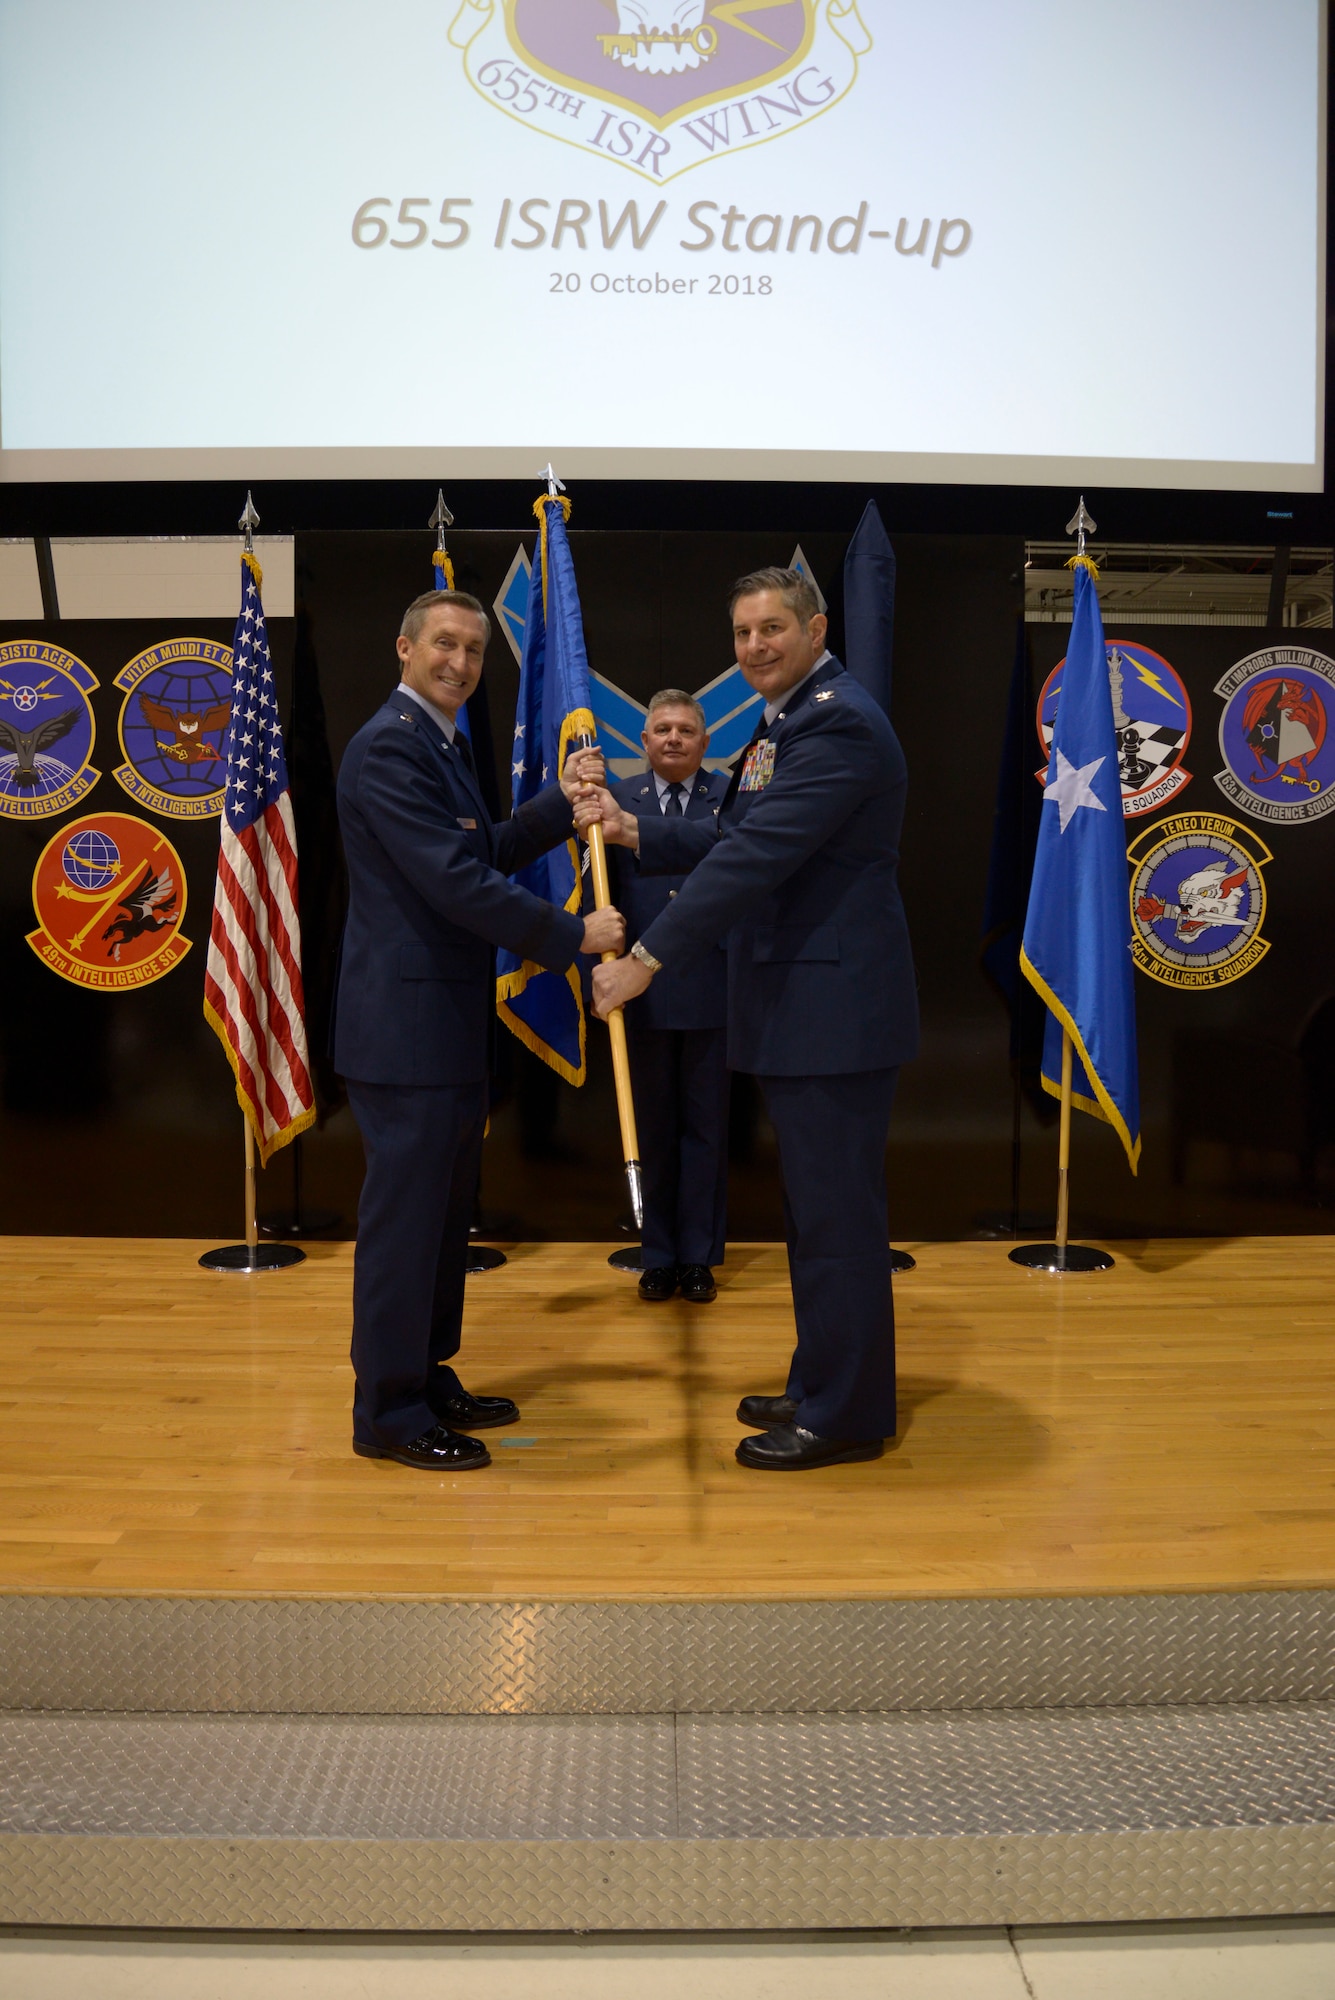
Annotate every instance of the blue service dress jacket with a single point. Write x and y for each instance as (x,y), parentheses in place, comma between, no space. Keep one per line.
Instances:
(428,903)
(801,876)
(692,994)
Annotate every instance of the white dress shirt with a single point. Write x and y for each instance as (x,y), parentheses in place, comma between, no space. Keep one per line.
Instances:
(773,708)
(663,785)
(444,723)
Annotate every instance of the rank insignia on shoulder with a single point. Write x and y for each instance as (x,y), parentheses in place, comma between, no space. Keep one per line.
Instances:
(759,766)
(826,694)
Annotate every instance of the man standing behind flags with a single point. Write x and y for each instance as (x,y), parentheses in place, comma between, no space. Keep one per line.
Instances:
(1077,931)
(428,903)
(676,1031)
(800,875)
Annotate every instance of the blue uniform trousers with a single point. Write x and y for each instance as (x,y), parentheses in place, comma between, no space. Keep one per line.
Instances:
(832,1133)
(423,1153)
(680,1078)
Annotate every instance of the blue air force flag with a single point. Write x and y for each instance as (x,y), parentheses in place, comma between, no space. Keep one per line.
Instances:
(546,1009)
(1077,930)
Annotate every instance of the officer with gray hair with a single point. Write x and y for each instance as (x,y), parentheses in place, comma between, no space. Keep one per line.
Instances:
(676,1032)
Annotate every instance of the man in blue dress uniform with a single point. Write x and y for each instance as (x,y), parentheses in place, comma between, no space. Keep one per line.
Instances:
(676,1030)
(428,903)
(800,874)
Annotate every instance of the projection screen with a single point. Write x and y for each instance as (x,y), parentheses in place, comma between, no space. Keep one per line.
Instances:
(979,240)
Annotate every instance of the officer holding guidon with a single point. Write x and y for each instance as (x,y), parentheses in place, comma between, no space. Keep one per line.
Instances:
(429,901)
(800,874)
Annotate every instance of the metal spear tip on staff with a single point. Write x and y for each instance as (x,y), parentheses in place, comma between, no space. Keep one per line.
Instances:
(1081,523)
(248,523)
(441,518)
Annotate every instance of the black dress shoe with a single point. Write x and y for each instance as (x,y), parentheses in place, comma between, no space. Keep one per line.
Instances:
(788,1448)
(658,1283)
(697,1284)
(437,1450)
(765,1411)
(462,1412)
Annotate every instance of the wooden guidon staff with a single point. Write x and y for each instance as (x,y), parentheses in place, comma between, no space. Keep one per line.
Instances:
(616,1028)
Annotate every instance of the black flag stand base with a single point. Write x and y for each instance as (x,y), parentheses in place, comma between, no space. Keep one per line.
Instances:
(252,1255)
(901,1261)
(1059,1257)
(1062,1258)
(482,1258)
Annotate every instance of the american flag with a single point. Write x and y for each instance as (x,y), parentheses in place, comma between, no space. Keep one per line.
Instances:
(252,983)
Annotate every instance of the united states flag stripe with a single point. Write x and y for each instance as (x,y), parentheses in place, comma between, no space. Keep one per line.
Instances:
(252,983)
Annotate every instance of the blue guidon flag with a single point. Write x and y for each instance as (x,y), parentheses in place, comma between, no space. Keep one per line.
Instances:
(546,1009)
(1077,931)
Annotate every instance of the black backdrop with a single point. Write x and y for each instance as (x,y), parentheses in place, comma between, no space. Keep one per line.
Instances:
(116,1111)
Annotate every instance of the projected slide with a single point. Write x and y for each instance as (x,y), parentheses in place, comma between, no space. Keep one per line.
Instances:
(662,238)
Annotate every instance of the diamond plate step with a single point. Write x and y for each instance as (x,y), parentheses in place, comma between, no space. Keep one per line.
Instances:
(667,1821)
(245,1656)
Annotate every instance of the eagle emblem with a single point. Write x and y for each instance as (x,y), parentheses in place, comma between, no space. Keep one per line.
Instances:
(27,744)
(174,723)
(660,86)
(186,736)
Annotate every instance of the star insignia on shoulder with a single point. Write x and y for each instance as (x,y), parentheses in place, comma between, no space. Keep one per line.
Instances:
(826,694)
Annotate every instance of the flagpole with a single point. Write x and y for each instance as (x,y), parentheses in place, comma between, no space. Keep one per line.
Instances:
(616,1028)
(1064,1151)
(252,1227)
(1063,1256)
(252,1255)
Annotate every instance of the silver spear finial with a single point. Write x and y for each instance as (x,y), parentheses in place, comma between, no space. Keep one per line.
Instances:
(554,485)
(1081,523)
(441,519)
(248,523)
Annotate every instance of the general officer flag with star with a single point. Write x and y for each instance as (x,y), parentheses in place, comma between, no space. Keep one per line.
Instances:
(546,1009)
(1077,931)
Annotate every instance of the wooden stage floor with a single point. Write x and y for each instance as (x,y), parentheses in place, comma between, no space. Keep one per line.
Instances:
(1167,1426)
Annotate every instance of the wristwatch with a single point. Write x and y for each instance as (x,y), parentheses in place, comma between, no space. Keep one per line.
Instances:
(646,958)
